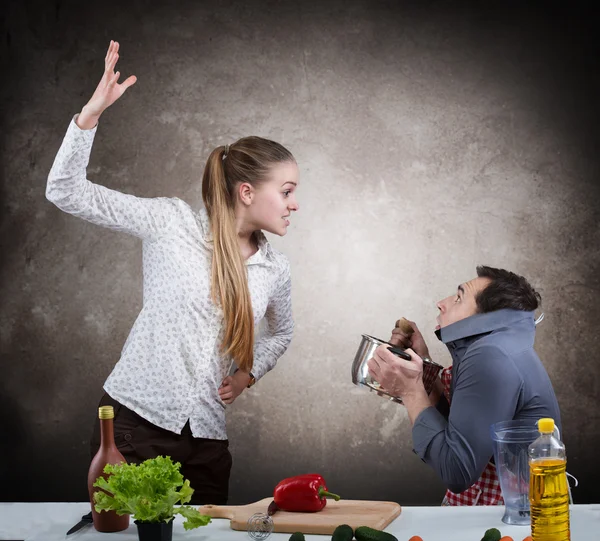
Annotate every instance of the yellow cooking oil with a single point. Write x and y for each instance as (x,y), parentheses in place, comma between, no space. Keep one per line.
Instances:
(548,486)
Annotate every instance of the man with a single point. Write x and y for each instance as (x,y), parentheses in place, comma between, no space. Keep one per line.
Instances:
(488,327)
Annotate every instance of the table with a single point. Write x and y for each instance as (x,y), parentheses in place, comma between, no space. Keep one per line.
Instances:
(50,521)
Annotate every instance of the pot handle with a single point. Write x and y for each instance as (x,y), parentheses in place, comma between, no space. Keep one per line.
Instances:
(400,353)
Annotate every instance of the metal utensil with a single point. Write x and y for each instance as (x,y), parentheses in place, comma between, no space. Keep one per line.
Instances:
(86,520)
(360,369)
(260,526)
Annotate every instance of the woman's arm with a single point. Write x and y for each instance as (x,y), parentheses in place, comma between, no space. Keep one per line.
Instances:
(280,326)
(70,190)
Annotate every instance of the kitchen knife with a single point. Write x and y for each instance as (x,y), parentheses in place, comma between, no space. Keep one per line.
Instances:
(86,520)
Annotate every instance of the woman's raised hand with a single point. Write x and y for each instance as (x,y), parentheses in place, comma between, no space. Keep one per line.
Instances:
(108,91)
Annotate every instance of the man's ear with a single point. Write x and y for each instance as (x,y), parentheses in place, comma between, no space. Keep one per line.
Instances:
(246,193)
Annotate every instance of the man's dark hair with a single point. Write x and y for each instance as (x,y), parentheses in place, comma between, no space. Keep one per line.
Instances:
(506,290)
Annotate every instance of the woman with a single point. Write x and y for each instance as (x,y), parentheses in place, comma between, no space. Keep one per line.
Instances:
(209,278)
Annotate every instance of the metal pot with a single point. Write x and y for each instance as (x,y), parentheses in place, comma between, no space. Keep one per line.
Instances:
(360,370)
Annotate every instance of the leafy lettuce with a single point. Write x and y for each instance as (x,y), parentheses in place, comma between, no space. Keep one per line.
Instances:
(148,491)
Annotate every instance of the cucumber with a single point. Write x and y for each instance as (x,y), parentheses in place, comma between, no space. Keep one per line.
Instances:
(364,533)
(343,533)
(493,534)
(297,536)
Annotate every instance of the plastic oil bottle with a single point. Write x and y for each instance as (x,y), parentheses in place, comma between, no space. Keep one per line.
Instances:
(548,486)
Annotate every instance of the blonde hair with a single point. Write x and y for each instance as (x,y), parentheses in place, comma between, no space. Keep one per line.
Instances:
(248,160)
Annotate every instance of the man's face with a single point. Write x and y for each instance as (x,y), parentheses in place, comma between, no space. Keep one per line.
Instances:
(462,304)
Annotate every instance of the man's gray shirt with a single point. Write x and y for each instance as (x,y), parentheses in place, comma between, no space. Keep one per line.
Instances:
(496,376)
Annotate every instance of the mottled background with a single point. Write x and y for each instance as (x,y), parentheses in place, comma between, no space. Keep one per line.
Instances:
(431,136)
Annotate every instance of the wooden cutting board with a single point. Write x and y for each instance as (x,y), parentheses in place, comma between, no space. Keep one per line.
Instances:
(352,512)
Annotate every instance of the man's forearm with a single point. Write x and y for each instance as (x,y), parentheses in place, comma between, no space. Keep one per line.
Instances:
(415,403)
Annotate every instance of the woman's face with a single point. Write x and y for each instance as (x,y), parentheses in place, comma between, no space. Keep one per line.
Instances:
(274,199)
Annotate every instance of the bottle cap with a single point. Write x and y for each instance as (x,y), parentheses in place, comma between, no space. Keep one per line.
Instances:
(106,412)
(546,425)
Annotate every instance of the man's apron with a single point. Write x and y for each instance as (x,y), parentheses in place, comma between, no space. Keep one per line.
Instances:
(486,490)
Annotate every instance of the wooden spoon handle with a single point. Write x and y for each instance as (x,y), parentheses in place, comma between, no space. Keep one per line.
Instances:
(404,326)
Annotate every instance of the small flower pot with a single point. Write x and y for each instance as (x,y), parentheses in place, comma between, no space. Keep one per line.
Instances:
(155,531)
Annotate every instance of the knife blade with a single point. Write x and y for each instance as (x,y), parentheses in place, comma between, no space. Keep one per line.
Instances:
(86,520)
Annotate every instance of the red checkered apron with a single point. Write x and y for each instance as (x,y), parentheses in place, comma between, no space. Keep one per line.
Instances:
(486,491)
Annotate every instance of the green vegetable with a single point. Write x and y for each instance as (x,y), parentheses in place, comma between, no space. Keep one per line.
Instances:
(343,533)
(364,533)
(297,536)
(493,534)
(148,491)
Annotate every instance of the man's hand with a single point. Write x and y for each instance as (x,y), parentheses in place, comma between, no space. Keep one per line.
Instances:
(397,376)
(415,341)
(401,378)
(233,386)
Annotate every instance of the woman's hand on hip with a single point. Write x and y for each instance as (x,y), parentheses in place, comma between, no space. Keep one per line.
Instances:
(233,386)
(108,91)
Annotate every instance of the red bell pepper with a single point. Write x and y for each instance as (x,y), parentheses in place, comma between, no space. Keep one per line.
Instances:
(303,493)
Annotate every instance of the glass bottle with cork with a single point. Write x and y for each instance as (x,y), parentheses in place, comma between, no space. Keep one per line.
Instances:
(105,521)
(548,486)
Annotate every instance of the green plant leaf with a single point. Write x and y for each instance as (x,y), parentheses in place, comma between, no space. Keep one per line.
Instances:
(193,517)
(148,491)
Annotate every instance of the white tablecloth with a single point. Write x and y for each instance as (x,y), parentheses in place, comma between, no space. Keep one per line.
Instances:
(50,521)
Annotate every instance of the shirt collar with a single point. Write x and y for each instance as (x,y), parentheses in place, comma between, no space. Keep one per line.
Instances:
(263,256)
(484,323)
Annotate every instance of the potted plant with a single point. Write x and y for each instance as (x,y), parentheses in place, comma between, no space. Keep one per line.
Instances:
(149,492)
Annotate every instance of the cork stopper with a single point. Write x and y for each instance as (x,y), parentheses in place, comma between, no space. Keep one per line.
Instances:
(106,412)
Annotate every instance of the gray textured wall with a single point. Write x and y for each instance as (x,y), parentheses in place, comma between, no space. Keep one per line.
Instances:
(431,137)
